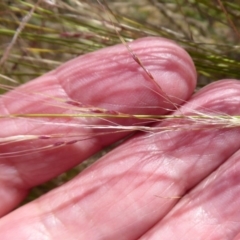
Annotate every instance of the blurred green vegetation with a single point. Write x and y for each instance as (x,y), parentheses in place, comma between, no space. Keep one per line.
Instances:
(37,36)
(60,30)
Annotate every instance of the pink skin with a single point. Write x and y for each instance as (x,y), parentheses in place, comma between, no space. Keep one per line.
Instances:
(131,192)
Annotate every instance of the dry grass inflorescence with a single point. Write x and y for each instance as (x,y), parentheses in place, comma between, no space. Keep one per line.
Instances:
(38,36)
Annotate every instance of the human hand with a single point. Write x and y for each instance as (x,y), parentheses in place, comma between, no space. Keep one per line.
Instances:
(165,185)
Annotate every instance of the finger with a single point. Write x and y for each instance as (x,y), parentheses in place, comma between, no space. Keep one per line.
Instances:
(133,187)
(107,78)
(193,216)
(209,211)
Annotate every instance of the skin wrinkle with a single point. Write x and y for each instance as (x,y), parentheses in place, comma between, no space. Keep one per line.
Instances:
(170,228)
(109,96)
(32,129)
(53,222)
(171,184)
(200,156)
(218,225)
(128,68)
(90,218)
(203,186)
(133,180)
(204,153)
(51,211)
(212,102)
(173,61)
(41,230)
(140,214)
(143,161)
